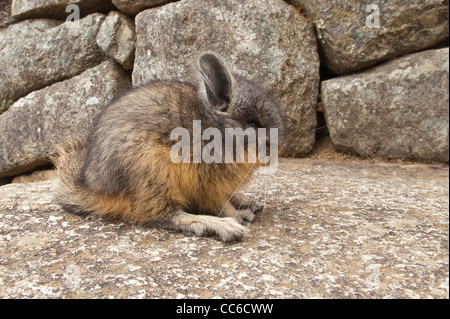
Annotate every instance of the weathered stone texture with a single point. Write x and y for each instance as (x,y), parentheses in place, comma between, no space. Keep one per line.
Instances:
(33,125)
(397,110)
(37,53)
(133,7)
(328,230)
(5,13)
(117,38)
(267,41)
(56,9)
(350,39)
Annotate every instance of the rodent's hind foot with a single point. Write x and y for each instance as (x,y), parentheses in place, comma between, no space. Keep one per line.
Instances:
(228,229)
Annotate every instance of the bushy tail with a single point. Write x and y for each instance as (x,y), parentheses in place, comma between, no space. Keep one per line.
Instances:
(68,160)
(72,194)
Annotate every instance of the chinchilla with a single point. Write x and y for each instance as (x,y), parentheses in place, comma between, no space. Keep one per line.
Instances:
(123,169)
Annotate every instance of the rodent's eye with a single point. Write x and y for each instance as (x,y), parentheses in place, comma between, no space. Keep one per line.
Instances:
(255,123)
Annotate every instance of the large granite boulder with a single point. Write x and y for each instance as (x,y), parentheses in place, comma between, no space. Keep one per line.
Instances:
(33,125)
(355,34)
(397,110)
(38,53)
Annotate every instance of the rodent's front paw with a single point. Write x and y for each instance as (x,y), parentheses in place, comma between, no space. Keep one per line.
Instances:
(228,229)
(245,215)
(256,207)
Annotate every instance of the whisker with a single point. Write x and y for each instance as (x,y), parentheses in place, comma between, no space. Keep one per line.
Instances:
(237,188)
(319,128)
(264,203)
(248,188)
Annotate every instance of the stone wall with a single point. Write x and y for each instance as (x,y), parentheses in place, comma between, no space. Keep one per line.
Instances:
(61,61)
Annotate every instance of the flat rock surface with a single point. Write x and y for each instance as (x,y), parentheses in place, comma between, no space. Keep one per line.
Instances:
(329,230)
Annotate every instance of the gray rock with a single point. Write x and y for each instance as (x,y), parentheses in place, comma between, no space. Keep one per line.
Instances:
(5,13)
(267,41)
(133,7)
(33,125)
(117,37)
(37,53)
(351,40)
(56,9)
(397,110)
(328,230)
(36,176)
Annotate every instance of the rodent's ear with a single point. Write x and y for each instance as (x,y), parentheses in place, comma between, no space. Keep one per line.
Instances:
(216,83)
